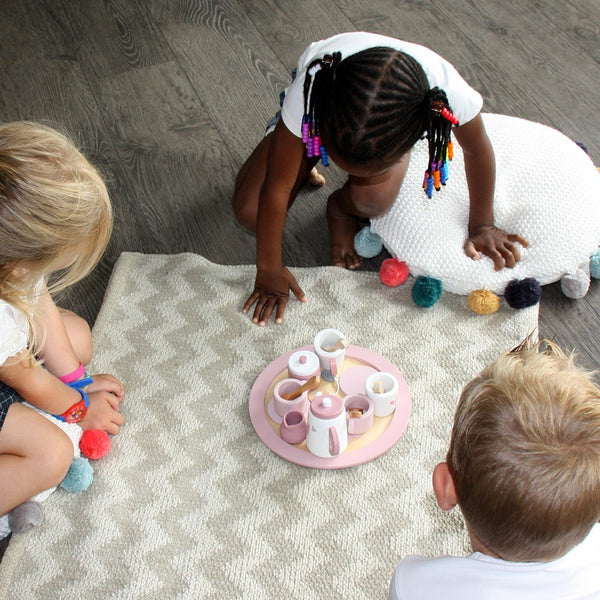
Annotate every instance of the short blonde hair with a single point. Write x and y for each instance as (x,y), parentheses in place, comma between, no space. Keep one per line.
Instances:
(525,453)
(55,213)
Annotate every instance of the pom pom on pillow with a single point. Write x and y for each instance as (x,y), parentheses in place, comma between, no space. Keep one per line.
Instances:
(393,272)
(367,244)
(522,293)
(426,291)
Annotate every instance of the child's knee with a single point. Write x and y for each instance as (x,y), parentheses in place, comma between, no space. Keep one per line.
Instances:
(57,457)
(369,202)
(80,335)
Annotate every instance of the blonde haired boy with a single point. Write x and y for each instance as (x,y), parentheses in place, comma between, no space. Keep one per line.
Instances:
(524,468)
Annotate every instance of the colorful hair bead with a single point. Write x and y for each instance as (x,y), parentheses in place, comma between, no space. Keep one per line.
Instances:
(444,173)
(316,146)
(449,116)
(305,129)
(324,156)
(436,180)
(450,151)
(429,186)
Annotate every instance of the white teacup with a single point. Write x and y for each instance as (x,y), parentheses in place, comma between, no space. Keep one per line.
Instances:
(331,360)
(382,388)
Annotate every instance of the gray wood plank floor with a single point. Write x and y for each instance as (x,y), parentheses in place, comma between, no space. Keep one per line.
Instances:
(168,97)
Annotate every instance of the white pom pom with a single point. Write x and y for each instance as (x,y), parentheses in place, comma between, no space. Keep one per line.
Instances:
(575,285)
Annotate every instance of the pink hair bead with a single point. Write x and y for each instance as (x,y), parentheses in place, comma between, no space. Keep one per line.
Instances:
(305,132)
(317,146)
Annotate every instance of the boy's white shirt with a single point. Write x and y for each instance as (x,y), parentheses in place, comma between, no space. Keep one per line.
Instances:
(575,576)
(465,102)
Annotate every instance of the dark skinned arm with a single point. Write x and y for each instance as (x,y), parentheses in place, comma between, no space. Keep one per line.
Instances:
(273,280)
(480,168)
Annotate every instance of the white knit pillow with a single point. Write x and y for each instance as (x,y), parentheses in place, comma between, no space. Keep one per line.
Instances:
(547,190)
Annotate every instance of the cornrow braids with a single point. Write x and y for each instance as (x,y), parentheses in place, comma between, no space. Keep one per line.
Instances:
(374,106)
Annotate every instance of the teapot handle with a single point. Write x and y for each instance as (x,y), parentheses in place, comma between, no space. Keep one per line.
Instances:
(334,441)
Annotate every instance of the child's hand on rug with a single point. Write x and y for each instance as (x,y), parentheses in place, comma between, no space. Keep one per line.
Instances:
(105,382)
(103,412)
(496,244)
(271,293)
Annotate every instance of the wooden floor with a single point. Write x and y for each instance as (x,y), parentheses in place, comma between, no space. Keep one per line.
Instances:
(168,97)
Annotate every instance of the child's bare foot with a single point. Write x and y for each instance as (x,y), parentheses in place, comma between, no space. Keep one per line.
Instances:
(342,230)
(315,178)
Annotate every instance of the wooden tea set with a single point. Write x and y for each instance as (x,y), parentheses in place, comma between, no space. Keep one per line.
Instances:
(330,405)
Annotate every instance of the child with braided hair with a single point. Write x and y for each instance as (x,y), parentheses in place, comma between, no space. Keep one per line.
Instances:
(362,101)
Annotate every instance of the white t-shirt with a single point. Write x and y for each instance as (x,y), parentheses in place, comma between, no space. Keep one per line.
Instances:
(575,576)
(14,331)
(465,102)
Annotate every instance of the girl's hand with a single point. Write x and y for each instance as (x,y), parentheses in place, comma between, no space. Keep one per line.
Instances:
(271,292)
(103,412)
(107,383)
(495,243)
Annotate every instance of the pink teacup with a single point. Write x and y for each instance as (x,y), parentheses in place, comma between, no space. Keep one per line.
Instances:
(293,427)
(358,424)
(281,405)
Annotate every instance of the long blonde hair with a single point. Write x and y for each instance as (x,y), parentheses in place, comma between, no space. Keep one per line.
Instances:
(55,214)
(525,453)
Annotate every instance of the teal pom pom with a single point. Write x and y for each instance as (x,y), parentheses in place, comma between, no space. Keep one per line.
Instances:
(367,244)
(595,265)
(426,291)
(79,476)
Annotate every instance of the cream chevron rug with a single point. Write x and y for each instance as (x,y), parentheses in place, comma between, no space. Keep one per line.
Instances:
(191,504)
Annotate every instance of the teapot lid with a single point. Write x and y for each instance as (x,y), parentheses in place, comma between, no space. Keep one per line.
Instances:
(329,406)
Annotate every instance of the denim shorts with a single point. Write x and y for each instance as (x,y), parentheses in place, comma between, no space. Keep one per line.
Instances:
(7,397)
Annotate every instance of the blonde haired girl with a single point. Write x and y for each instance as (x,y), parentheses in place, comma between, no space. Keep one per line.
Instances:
(55,223)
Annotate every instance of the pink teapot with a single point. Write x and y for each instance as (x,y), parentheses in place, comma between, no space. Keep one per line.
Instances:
(327,434)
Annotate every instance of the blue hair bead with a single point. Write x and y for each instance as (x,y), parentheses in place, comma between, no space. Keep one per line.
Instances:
(367,243)
(444,173)
(429,189)
(324,156)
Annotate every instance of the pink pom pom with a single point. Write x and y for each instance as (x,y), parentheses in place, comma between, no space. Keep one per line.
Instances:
(393,272)
(94,443)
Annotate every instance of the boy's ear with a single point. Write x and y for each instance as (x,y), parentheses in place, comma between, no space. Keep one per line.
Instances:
(443,487)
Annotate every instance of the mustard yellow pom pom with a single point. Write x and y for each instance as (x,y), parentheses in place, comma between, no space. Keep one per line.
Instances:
(483,302)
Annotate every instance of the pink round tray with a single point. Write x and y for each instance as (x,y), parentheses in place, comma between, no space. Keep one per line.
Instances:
(358,364)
